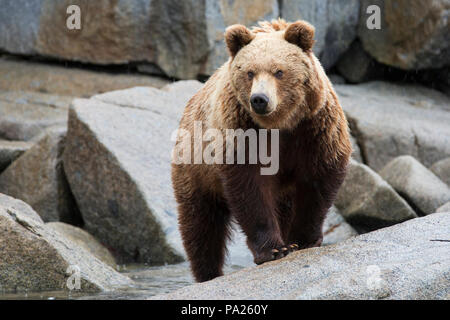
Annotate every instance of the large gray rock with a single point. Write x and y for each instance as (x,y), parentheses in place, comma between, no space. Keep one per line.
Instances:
(36,258)
(413,34)
(182,39)
(392,120)
(368,202)
(357,66)
(423,190)
(406,261)
(175,32)
(35,96)
(84,240)
(169,101)
(335,22)
(442,170)
(117,160)
(187,36)
(38,178)
(335,228)
(221,14)
(14,36)
(62,82)
(10,151)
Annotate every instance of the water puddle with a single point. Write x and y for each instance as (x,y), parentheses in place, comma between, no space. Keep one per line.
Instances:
(149,281)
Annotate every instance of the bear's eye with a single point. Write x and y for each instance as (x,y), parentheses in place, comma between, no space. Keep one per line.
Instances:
(250,75)
(279,74)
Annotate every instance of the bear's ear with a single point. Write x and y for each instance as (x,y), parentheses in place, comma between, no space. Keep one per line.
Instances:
(236,37)
(300,33)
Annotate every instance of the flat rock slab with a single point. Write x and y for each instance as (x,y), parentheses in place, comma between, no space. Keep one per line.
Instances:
(37,258)
(368,202)
(422,189)
(10,151)
(63,81)
(170,101)
(389,120)
(23,121)
(406,261)
(42,99)
(24,115)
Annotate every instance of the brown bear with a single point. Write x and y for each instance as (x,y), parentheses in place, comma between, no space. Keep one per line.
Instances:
(271,81)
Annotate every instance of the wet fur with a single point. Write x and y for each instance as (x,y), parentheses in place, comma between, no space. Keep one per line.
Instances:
(273,211)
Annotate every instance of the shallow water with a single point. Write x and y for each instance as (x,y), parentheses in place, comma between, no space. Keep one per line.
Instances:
(149,281)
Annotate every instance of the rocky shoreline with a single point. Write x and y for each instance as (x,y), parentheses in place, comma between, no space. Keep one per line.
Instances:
(87,117)
(91,189)
(405,261)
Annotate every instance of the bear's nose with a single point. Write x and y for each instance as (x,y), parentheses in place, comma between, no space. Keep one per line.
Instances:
(259,102)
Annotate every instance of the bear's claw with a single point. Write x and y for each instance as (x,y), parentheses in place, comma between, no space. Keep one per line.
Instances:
(276,253)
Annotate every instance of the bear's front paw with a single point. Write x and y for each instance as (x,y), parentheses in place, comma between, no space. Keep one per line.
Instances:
(275,253)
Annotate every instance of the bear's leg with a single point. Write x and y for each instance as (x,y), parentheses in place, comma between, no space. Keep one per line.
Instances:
(250,198)
(204,225)
(310,212)
(311,204)
(285,215)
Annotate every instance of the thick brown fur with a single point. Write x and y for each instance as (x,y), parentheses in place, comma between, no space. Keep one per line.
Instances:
(274,211)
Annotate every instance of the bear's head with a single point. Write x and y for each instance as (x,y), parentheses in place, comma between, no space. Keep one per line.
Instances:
(274,72)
